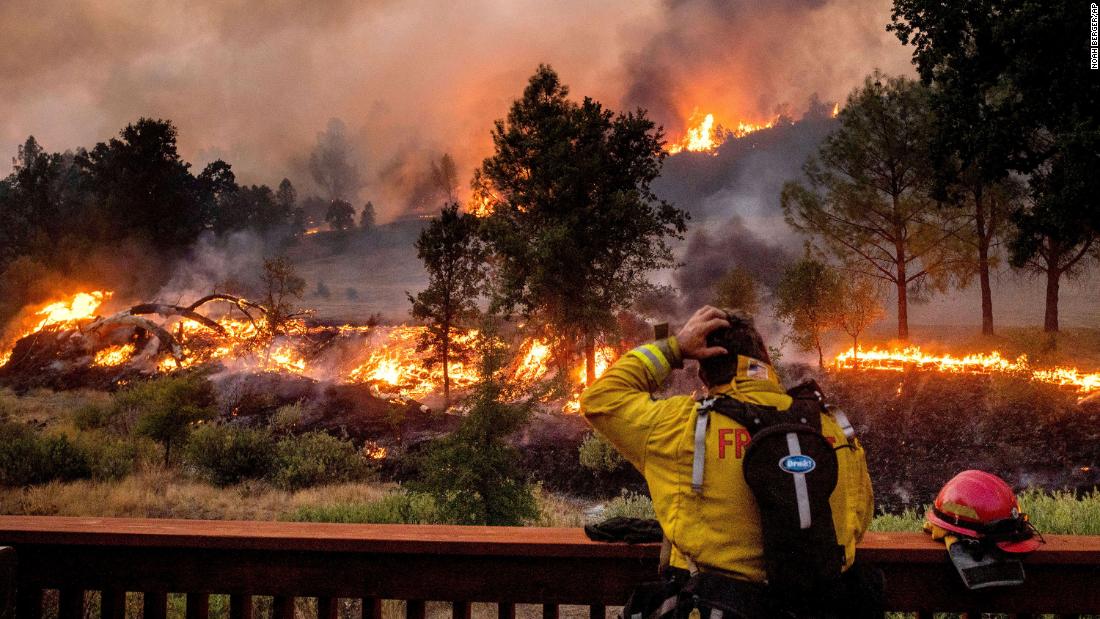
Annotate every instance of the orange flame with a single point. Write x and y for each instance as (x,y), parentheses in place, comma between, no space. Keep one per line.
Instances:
(901,359)
(82,306)
(705,135)
(114,355)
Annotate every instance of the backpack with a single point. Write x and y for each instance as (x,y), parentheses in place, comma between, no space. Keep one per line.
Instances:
(792,471)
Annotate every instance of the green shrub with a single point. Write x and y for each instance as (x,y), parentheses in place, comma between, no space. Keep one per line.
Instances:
(166,408)
(228,455)
(1056,513)
(92,417)
(598,455)
(28,458)
(629,505)
(316,458)
(474,474)
(395,508)
(109,457)
(286,418)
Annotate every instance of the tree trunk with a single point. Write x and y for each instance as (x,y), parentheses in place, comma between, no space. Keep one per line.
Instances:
(446,368)
(903,308)
(903,293)
(589,360)
(1050,321)
(983,263)
(987,293)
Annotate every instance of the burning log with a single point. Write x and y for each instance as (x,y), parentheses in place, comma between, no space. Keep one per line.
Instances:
(126,319)
(176,310)
(239,302)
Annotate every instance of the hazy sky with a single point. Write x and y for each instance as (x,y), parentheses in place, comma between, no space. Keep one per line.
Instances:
(253,81)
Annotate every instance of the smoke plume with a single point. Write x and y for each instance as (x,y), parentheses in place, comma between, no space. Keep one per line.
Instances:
(254,81)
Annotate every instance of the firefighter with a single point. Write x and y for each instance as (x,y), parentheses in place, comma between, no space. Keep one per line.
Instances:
(693,467)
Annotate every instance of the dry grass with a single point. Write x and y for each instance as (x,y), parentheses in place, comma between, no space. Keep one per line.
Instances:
(46,407)
(162,493)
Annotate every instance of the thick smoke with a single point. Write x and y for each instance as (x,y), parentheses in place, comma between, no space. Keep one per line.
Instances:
(748,60)
(254,81)
(712,252)
(227,264)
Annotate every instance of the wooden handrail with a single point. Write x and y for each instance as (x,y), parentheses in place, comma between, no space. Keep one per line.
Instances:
(457,564)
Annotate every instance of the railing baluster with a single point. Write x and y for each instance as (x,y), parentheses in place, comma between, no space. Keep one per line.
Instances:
(414,609)
(112,604)
(240,606)
(327,608)
(70,604)
(28,603)
(198,605)
(597,611)
(372,608)
(154,605)
(549,611)
(283,607)
(506,610)
(461,610)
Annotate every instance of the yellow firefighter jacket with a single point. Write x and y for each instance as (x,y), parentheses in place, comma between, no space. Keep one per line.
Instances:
(719,527)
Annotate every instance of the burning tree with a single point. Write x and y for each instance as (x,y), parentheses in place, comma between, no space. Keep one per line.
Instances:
(869,197)
(281,285)
(454,258)
(572,222)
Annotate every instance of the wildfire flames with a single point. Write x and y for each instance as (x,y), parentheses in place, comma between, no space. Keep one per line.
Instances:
(81,306)
(899,360)
(114,355)
(397,367)
(705,135)
(387,358)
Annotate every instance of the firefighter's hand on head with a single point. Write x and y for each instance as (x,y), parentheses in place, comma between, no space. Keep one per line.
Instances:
(692,337)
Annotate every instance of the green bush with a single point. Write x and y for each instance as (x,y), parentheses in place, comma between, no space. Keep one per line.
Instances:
(286,418)
(1056,513)
(228,455)
(109,457)
(474,475)
(165,409)
(598,455)
(316,458)
(28,458)
(629,505)
(92,417)
(395,508)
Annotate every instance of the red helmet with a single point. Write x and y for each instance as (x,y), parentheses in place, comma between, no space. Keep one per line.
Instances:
(982,506)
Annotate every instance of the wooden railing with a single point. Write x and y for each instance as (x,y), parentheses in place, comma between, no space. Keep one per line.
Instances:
(459,565)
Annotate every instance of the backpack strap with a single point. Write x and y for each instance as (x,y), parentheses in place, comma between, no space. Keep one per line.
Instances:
(699,455)
(753,417)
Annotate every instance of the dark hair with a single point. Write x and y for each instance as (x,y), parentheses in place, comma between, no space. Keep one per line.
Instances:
(740,338)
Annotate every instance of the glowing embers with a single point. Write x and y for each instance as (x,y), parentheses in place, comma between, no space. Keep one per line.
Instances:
(901,359)
(397,367)
(114,356)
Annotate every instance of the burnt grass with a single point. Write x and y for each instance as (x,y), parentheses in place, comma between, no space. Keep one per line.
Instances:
(920,428)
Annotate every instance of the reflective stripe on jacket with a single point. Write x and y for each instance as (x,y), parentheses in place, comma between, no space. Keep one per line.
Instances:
(720,526)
